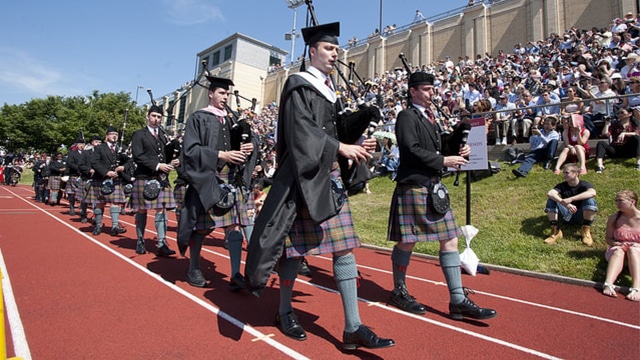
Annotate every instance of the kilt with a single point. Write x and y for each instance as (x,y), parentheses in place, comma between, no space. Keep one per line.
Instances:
(74,187)
(165,198)
(95,197)
(54,183)
(178,196)
(411,219)
(307,237)
(235,215)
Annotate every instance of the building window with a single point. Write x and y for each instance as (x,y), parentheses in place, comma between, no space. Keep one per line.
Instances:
(215,59)
(274,60)
(227,52)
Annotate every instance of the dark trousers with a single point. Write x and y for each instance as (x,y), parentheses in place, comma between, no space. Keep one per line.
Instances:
(590,121)
(630,148)
(544,154)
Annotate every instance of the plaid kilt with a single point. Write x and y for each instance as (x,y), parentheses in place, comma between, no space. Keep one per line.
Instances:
(412,219)
(165,198)
(54,183)
(236,215)
(307,237)
(178,196)
(95,197)
(74,186)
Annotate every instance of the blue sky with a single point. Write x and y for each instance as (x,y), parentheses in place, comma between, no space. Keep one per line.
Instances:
(73,47)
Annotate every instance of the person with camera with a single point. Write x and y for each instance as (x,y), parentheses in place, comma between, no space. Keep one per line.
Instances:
(106,186)
(544,143)
(218,165)
(416,215)
(151,188)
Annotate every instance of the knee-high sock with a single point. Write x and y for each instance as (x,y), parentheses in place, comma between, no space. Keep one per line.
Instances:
(141,224)
(400,261)
(450,263)
(234,244)
(195,246)
(345,273)
(97,213)
(288,272)
(114,210)
(161,227)
(72,201)
(53,197)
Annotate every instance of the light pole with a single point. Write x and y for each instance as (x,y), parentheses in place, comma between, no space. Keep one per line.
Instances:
(380,24)
(293,4)
(138,88)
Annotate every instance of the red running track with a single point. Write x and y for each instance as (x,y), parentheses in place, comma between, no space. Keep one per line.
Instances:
(81,296)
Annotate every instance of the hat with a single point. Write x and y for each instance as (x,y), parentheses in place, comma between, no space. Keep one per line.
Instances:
(95,137)
(616,76)
(503,96)
(218,82)
(111,129)
(552,83)
(633,56)
(325,32)
(629,14)
(79,140)
(420,78)
(156,109)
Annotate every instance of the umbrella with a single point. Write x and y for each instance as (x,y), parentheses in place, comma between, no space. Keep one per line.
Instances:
(382,135)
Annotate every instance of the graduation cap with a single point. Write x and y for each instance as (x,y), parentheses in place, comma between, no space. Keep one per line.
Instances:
(325,32)
(156,109)
(111,129)
(218,82)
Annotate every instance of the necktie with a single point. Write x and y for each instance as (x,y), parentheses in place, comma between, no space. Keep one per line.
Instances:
(155,133)
(429,114)
(113,148)
(327,82)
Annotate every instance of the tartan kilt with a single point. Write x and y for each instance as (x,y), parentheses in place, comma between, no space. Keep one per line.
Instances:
(307,237)
(95,197)
(74,186)
(178,195)
(165,198)
(412,219)
(235,215)
(54,183)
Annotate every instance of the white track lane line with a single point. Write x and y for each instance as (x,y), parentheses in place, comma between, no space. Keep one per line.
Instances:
(20,344)
(244,327)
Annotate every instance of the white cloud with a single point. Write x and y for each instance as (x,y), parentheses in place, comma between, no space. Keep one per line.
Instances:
(191,12)
(24,77)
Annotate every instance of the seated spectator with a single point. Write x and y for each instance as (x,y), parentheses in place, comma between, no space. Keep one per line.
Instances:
(624,140)
(633,101)
(544,143)
(572,104)
(623,238)
(524,118)
(576,144)
(503,120)
(600,109)
(574,201)
(549,105)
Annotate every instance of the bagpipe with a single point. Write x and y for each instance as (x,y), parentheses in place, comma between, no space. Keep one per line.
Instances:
(351,124)
(172,146)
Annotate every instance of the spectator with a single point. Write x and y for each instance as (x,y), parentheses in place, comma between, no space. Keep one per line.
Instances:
(544,144)
(550,106)
(576,141)
(418,16)
(574,201)
(624,140)
(524,118)
(623,238)
(600,109)
(503,120)
(572,104)
(633,101)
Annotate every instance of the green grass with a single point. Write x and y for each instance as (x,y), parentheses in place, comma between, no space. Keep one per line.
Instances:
(509,214)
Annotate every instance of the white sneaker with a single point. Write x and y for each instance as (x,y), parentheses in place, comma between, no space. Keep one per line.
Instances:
(504,140)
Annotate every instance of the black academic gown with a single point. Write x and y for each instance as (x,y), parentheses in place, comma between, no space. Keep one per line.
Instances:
(200,161)
(306,150)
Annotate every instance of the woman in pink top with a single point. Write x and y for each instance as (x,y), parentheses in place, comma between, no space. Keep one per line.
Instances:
(576,141)
(623,237)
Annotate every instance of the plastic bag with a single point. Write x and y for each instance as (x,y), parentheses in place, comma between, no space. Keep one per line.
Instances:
(468,259)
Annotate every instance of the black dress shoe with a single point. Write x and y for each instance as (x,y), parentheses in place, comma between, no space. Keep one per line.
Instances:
(237,283)
(115,231)
(97,230)
(469,309)
(547,165)
(364,337)
(83,220)
(140,249)
(195,278)
(289,325)
(303,268)
(518,173)
(401,299)
(165,251)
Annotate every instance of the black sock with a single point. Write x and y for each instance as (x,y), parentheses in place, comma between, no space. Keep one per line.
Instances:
(587,222)
(553,222)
